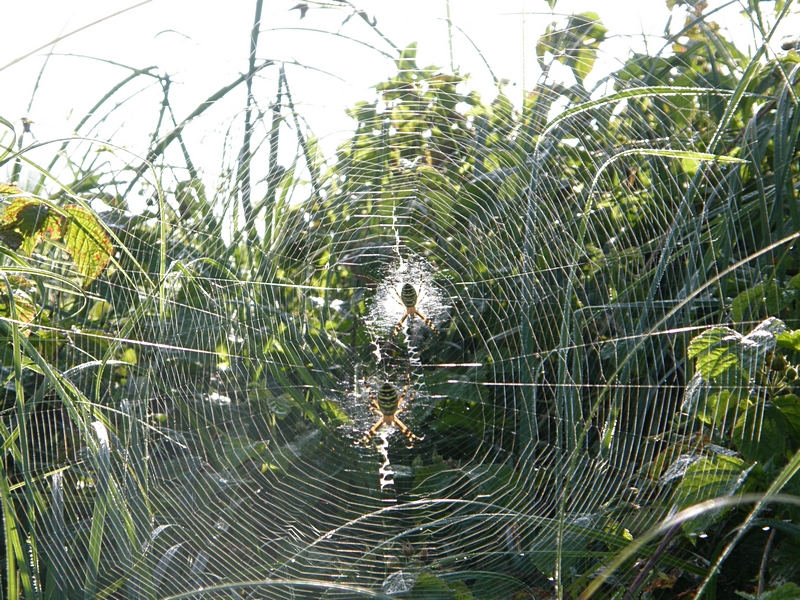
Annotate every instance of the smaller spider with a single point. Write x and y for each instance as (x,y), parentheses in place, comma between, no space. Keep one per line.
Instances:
(388,405)
(408,298)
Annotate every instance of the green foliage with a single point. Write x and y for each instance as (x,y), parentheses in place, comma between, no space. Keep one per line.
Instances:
(708,478)
(574,45)
(788,591)
(182,405)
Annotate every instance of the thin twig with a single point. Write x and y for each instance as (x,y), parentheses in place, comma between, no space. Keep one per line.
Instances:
(762,574)
(89,115)
(631,592)
(275,173)
(243,175)
(188,159)
(172,135)
(66,35)
(301,139)
(165,83)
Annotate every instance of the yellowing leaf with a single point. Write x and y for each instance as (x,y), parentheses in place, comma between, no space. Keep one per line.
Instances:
(9,190)
(24,307)
(87,242)
(26,222)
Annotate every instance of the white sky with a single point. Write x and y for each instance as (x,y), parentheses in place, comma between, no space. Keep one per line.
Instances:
(203,49)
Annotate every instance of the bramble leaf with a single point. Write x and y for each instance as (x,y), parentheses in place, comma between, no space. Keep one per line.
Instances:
(87,242)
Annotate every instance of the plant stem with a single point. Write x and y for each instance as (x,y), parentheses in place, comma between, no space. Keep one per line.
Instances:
(631,593)
(762,574)
(450,35)
(244,153)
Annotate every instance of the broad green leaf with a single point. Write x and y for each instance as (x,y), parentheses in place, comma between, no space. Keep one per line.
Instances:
(760,432)
(717,409)
(430,586)
(716,351)
(710,477)
(709,339)
(87,242)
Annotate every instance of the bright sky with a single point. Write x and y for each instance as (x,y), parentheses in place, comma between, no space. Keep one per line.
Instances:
(203,50)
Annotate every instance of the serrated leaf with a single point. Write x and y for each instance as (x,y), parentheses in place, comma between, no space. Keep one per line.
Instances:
(26,222)
(711,338)
(716,351)
(718,408)
(788,591)
(710,477)
(87,242)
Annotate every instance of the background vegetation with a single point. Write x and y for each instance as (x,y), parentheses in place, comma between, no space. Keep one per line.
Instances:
(609,401)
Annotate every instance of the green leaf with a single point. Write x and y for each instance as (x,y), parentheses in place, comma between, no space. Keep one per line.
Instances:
(717,410)
(709,477)
(430,586)
(789,405)
(760,432)
(789,340)
(86,240)
(715,351)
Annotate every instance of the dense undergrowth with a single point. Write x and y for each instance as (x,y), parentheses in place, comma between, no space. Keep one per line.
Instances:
(605,391)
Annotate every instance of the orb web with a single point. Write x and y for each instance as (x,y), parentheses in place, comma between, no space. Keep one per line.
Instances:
(212,437)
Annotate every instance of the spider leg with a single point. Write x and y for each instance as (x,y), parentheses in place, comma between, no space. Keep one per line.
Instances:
(427,321)
(405,430)
(396,295)
(400,324)
(400,406)
(375,407)
(373,430)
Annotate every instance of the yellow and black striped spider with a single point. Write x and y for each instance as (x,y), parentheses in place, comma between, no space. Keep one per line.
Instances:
(387,406)
(408,298)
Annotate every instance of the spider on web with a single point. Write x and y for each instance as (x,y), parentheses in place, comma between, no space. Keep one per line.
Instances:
(409,298)
(387,406)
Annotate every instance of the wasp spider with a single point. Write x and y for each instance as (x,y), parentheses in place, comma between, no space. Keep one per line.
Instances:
(408,298)
(387,406)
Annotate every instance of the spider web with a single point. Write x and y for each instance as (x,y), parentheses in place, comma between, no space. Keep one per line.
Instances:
(209,434)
